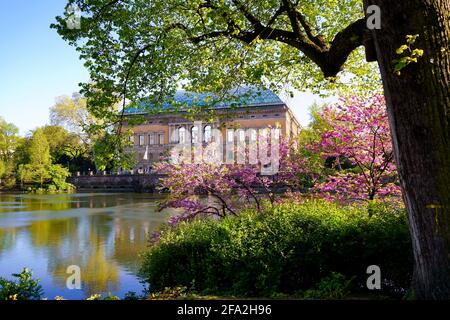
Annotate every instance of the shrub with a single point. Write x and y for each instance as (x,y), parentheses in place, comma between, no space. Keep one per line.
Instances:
(335,286)
(282,250)
(25,289)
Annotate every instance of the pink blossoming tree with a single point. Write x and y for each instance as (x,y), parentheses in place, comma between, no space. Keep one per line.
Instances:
(358,132)
(205,188)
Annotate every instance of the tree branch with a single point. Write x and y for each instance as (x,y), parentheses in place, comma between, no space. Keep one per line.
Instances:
(329,58)
(318,40)
(343,44)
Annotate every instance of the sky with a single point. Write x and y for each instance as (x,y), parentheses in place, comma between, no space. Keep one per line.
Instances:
(37,66)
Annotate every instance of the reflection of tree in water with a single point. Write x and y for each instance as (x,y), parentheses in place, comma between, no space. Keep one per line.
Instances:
(88,248)
(100,240)
(7,238)
(51,233)
(99,245)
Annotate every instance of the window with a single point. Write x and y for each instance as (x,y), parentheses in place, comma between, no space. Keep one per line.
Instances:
(175,135)
(230,135)
(141,139)
(161,138)
(241,136)
(277,133)
(230,156)
(253,135)
(132,139)
(151,138)
(264,133)
(182,135)
(194,134)
(207,133)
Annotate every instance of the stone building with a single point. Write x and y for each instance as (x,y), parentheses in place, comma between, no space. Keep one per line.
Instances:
(253,111)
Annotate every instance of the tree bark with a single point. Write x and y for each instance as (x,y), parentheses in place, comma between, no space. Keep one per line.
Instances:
(418,104)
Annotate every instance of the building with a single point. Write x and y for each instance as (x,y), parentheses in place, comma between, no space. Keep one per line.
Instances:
(253,110)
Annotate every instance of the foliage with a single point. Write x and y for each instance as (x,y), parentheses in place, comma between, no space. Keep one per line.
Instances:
(72,114)
(333,287)
(98,296)
(287,248)
(67,148)
(410,55)
(358,132)
(58,176)
(8,140)
(227,187)
(9,144)
(39,149)
(25,288)
(213,46)
(53,177)
(40,170)
(2,168)
(110,154)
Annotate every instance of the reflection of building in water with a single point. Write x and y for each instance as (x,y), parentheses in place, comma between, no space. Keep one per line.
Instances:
(251,112)
(131,239)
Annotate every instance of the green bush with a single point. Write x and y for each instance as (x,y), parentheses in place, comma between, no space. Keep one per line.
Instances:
(333,287)
(25,289)
(283,250)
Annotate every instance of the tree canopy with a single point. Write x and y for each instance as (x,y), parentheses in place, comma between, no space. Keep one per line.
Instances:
(214,46)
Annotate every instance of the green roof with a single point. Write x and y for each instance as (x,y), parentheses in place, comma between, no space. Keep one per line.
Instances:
(244,97)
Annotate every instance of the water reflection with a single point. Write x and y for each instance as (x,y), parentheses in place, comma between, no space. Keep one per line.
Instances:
(101,233)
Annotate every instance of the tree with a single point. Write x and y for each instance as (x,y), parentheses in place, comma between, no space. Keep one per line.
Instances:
(39,149)
(2,170)
(37,164)
(358,132)
(67,148)
(39,159)
(72,114)
(229,187)
(109,154)
(140,48)
(8,140)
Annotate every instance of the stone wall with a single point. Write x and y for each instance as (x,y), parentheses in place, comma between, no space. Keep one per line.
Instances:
(116,183)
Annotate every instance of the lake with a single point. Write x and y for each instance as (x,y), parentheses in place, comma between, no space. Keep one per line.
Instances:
(102,233)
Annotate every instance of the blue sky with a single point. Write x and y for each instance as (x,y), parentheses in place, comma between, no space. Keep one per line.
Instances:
(36,65)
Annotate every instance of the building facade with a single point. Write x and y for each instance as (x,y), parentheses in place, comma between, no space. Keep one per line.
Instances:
(158,134)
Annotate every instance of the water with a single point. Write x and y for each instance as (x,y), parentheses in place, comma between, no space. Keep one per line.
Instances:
(102,233)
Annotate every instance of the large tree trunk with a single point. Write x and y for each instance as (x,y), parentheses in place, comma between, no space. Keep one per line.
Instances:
(418,103)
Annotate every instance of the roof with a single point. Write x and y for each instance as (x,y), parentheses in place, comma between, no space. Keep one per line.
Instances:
(243,97)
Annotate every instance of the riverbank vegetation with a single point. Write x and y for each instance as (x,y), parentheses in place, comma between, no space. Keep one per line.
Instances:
(315,249)
(74,141)
(25,287)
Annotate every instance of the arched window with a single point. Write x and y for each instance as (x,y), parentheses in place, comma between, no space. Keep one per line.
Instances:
(207,133)
(181,135)
(194,134)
